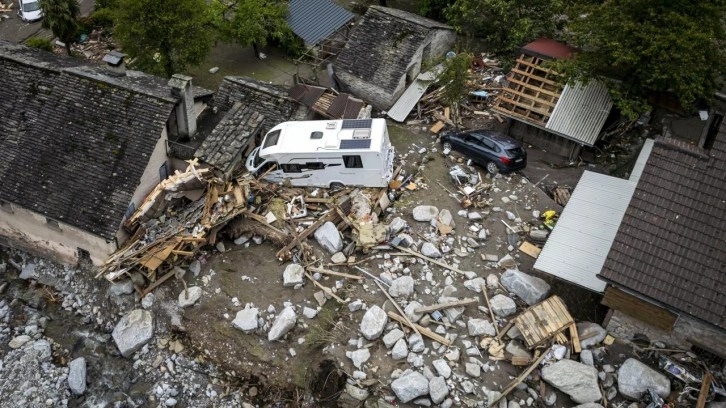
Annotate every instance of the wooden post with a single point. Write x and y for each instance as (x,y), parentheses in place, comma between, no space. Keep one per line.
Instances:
(491,312)
(519,379)
(704,390)
(575,338)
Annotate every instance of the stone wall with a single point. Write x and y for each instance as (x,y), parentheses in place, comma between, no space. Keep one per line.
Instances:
(686,332)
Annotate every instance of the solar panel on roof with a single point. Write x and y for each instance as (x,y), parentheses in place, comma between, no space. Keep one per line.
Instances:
(355,144)
(357,123)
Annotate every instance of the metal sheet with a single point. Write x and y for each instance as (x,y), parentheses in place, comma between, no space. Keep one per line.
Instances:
(581,112)
(315,20)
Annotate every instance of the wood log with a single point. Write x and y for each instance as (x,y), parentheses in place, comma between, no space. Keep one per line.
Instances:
(424,331)
(440,306)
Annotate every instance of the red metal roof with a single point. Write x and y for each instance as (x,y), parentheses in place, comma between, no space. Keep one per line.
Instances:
(545,47)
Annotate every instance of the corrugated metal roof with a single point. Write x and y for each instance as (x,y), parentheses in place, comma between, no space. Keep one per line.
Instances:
(400,110)
(581,112)
(580,242)
(315,20)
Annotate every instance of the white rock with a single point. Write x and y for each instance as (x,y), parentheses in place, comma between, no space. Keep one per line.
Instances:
(473,370)
(400,350)
(246,319)
(410,311)
(474,216)
(478,327)
(359,357)
(410,386)
(338,258)
(373,322)
(195,267)
(392,337)
(329,238)
(133,331)
(502,306)
(309,312)
(355,305)
(492,280)
(446,218)
(401,287)
(442,368)
(397,225)
(189,296)
(635,378)
(242,239)
(430,250)
(294,274)
(592,334)
(77,376)
(284,322)
(574,379)
(507,262)
(425,213)
(529,288)
(19,341)
(360,394)
(438,390)
(416,343)
(475,284)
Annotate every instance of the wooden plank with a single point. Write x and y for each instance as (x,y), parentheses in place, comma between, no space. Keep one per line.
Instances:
(575,338)
(322,220)
(520,361)
(325,289)
(535,100)
(530,108)
(530,86)
(158,282)
(530,249)
(519,379)
(183,253)
(505,329)
(489,306)
(393,301)
(640,309)
(434,261)
(701,403)
(424,331)
(440,306)
(436,128)
(154,259)
(334,273)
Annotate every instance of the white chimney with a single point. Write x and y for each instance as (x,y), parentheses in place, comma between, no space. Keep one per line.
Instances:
(115,61)
(186,118)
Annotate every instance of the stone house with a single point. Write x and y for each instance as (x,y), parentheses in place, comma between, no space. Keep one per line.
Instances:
(81,145)
(386,51)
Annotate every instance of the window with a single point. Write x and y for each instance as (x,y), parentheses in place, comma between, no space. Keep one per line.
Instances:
(316,135)
(315,165)
(291,168)
(6,206)
(163,172)
(84,257)
(271,139)
(52,224)
(353,162)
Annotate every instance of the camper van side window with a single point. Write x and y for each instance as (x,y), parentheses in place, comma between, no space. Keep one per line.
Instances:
(315,165)
(271,139)
(353,162)
(291,168)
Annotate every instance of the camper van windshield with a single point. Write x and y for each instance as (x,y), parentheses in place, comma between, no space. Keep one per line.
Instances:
(271,139)
(257,161)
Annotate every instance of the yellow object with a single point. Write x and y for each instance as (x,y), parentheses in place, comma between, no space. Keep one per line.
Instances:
(549,215)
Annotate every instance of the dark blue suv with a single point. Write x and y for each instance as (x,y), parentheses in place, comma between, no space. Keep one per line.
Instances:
(492,150)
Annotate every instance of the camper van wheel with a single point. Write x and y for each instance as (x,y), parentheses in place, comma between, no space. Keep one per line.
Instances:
(336,186)
(492,168)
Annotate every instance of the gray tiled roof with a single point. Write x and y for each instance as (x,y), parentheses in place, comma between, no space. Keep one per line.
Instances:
(382,45)
(223,147)
(268,99)
(315,20)
(74,142)
(671,244)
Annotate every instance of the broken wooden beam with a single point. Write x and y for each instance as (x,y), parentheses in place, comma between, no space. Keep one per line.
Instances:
(424,331)
(309,230)
(446,305)
(325,289)
(434,261)
(512,385)
(334,273)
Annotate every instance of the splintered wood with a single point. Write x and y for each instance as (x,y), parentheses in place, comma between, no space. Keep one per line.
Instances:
(543,321)
(167,233)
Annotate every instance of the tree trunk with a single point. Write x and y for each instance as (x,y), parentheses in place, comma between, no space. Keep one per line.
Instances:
(68,47)
(256,49)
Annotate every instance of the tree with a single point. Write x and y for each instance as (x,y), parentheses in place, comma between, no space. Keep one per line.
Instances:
(454,80)
(434,8)
(252,22)
(638,47)
(164,36)
(505,24)
(61,17)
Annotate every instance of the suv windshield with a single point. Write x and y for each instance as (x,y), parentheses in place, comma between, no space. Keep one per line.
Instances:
(31,6)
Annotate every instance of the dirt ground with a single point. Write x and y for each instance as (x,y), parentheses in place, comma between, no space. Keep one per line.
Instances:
(250,274)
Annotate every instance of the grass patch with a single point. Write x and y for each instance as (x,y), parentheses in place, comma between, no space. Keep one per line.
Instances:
(328,328)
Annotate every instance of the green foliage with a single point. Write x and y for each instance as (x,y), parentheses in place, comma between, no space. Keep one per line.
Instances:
(454,79)
(61,17)
(505,24)
(40,43)
(164,36)
(252,22)
(106,4)
(103,17)
(638,47)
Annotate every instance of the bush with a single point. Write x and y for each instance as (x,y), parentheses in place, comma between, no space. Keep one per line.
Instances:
(103,17)
(40,43)
(106,4)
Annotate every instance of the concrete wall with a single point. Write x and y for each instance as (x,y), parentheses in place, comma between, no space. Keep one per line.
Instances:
(33,233)
(539,138)
(685,332)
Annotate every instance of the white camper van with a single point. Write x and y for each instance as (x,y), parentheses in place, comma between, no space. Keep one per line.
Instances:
(326,153)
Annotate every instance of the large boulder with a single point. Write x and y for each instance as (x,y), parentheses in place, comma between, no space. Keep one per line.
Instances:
(502,305)
(373,323)
(293,275)
(425,213)
(529,288)
(77,376)
(574,379)
(636,378)
(591,334)
(409,386)
(133,331)
(329,238)
(284,322)
(401,287)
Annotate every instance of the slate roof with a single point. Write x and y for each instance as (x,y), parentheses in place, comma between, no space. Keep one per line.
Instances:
(671,244)
(270,100)
(74,142)
(224,146)
(315,20)
(382,45)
